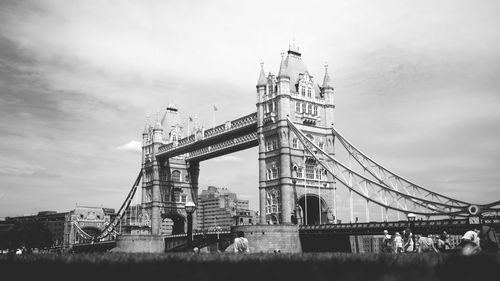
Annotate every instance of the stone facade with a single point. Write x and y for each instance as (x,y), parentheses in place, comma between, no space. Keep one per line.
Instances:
(168,183)
(268,238)
(286,172)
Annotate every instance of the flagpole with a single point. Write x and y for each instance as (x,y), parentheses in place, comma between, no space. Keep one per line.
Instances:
(213,117)
(188,132)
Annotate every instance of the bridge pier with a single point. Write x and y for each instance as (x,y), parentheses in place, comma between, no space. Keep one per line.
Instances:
(131,243)
(267,238)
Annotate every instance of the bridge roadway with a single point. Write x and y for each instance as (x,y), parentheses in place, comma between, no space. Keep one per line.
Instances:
(314,238)
(232,136)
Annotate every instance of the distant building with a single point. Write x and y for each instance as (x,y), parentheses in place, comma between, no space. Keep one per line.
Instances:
(66,227)
(219,207)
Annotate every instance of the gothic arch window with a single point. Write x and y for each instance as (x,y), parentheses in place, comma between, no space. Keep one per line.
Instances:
(274,172)
(309,109)
(300,172)
(315,110)
(303,91)
(309,92)
(295,143)
(176,176)
(297,107)
(309,171)
(303,107)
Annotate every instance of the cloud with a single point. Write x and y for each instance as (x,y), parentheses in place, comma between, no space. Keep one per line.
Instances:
(17,167)
(132,146)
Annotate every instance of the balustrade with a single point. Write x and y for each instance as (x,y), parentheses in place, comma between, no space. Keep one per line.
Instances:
(223,128)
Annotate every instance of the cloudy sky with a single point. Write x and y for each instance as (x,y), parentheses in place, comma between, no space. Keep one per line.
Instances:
(417,88)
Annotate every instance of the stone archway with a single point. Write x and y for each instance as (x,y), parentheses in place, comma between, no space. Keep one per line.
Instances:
(172,224)
(311,210)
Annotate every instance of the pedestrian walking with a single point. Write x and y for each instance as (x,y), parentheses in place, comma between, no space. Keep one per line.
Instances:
(241,243)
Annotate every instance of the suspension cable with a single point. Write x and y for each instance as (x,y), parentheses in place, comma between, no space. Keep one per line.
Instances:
(110,227)
(427,204)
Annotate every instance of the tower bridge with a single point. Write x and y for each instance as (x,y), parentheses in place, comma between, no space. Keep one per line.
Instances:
(293,128)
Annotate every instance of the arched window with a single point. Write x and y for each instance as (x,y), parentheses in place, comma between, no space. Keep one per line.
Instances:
(309,109)
(274,172)
(300,172)
(303,90)
(309,92)
(295,143)
(315,110)
(176,176)
(310,172)
(304,107)
(297,107)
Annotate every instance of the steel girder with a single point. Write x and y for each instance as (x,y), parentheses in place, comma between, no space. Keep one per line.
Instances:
(375,192)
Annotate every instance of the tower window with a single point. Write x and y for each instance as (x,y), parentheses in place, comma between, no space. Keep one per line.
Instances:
(315,113)
(274,173)
(297,107)
(310,172)
(275,144)
(295,143)
(309,109)
(309,92)
(300,172)
(304,107)
(176,176)
(303,90)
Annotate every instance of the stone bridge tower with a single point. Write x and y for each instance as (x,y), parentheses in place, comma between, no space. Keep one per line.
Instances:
(293,188)
(168,183)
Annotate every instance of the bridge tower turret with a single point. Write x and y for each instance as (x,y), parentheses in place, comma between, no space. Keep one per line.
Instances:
(288,178)
(155,194)
(261,92)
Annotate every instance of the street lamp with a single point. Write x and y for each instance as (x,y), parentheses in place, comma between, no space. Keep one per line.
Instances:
(411,218)
(190,207)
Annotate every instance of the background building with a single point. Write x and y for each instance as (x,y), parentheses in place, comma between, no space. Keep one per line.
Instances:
(67,228)
(219,207)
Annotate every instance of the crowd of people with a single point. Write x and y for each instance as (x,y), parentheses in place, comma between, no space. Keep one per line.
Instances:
(470,242)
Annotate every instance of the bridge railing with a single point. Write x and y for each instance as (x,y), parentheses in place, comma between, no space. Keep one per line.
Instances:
(396,224)
(220,129)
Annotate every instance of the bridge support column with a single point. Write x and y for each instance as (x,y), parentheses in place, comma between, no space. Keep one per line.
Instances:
(262,205)
(194,173)
(285,177)
(155,207)
(262,176)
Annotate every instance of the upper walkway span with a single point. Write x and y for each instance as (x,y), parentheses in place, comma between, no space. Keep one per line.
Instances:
(226,138)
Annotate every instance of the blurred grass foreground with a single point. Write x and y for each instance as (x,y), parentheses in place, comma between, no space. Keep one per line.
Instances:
(256,267)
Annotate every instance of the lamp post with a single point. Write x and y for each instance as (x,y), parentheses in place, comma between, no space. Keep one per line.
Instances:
(411,219)
(190,207)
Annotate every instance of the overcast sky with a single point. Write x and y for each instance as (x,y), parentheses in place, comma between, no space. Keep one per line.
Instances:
(416,83)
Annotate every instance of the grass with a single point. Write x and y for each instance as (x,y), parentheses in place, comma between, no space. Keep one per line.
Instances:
(255,267)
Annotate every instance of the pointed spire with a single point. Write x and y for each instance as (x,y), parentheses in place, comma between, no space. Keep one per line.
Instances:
(327,83)
(283,67)
(146,127)
(262,77)
(158,124)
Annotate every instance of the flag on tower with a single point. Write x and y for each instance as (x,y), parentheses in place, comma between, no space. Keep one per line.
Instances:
(215,108)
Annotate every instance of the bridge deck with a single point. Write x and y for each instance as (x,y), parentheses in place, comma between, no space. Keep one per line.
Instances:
(223,139)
